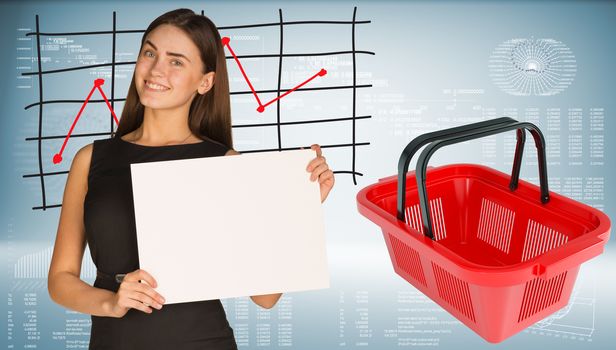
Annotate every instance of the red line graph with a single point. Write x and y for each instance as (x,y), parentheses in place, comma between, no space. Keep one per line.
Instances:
(57,158)
(225,41)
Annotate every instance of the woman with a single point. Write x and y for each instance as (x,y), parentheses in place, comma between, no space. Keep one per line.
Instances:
(177,107)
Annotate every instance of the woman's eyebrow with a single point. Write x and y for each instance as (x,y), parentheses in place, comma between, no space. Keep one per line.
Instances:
(168,53)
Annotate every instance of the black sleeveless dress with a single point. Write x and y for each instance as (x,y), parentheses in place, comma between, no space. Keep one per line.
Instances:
(109,220)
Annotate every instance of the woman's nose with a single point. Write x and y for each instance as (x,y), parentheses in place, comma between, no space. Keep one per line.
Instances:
(158,68)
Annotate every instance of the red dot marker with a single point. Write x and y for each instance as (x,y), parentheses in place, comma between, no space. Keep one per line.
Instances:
(322,72)
(225,40)
(260,109)
(57,158)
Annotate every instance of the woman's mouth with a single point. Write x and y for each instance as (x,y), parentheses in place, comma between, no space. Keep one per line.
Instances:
(155,87)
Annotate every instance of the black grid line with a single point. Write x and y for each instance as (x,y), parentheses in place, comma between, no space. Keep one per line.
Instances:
(354,92)
(113,64)
(133,31)
(279,90)
(339,87)
(271,55)
(279,80)
(335,145)
(40,126)
(312,121)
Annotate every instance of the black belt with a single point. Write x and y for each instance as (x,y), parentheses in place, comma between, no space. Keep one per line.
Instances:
(117,278)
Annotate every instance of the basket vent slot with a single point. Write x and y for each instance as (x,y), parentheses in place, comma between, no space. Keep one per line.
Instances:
(412,215)
(540,239)
(540,294)
(408,260)
(454,291)
(495,225)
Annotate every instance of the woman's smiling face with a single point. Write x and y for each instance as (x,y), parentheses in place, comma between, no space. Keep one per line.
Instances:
(169,70)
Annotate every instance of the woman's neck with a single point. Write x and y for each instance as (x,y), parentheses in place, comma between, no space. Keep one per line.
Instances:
(161,127)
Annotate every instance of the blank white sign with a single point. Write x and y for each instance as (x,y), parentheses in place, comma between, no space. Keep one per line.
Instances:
(220,227)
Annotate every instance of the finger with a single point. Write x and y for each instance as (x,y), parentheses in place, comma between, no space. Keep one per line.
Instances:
(326,175)
(317,148)
(144,298)
(145,276)
(314,163)
(133,304)
(130,287)
(326,181)
(140,274)
(318,171)
(147,290)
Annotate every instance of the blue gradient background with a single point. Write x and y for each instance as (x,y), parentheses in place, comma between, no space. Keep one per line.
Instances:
(422,48)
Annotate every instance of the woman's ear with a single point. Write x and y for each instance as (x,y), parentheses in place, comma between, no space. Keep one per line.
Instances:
(206,83)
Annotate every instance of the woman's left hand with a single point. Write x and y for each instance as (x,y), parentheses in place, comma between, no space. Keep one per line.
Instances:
(319,170)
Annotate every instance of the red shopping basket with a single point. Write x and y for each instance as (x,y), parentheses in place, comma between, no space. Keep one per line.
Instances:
(497,253)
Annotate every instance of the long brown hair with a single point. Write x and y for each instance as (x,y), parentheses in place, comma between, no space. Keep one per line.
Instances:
(210,114)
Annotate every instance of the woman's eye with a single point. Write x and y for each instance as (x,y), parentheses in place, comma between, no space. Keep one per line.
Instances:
(147,52)
(177,63)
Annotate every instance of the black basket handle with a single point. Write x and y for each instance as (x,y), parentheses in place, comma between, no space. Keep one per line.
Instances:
(422,163)
(422,140)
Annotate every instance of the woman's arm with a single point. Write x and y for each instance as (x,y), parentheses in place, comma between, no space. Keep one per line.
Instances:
(266,301)
(63,283)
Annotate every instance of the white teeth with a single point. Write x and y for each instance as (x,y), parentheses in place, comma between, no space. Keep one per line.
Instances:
(156,86)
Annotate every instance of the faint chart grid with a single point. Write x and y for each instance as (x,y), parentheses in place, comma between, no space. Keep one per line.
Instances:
(280,24)
(577,319)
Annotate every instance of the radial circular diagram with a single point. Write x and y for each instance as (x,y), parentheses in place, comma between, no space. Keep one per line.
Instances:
(539,67)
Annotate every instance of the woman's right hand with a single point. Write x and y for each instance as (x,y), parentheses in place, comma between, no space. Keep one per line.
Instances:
(136,295)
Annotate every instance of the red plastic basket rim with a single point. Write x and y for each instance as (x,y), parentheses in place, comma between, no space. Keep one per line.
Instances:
(598,235)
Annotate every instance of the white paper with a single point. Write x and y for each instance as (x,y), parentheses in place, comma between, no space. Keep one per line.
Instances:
(229,226)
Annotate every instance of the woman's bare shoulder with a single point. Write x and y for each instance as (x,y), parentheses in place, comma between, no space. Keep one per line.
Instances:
(83,156)
(81,162)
